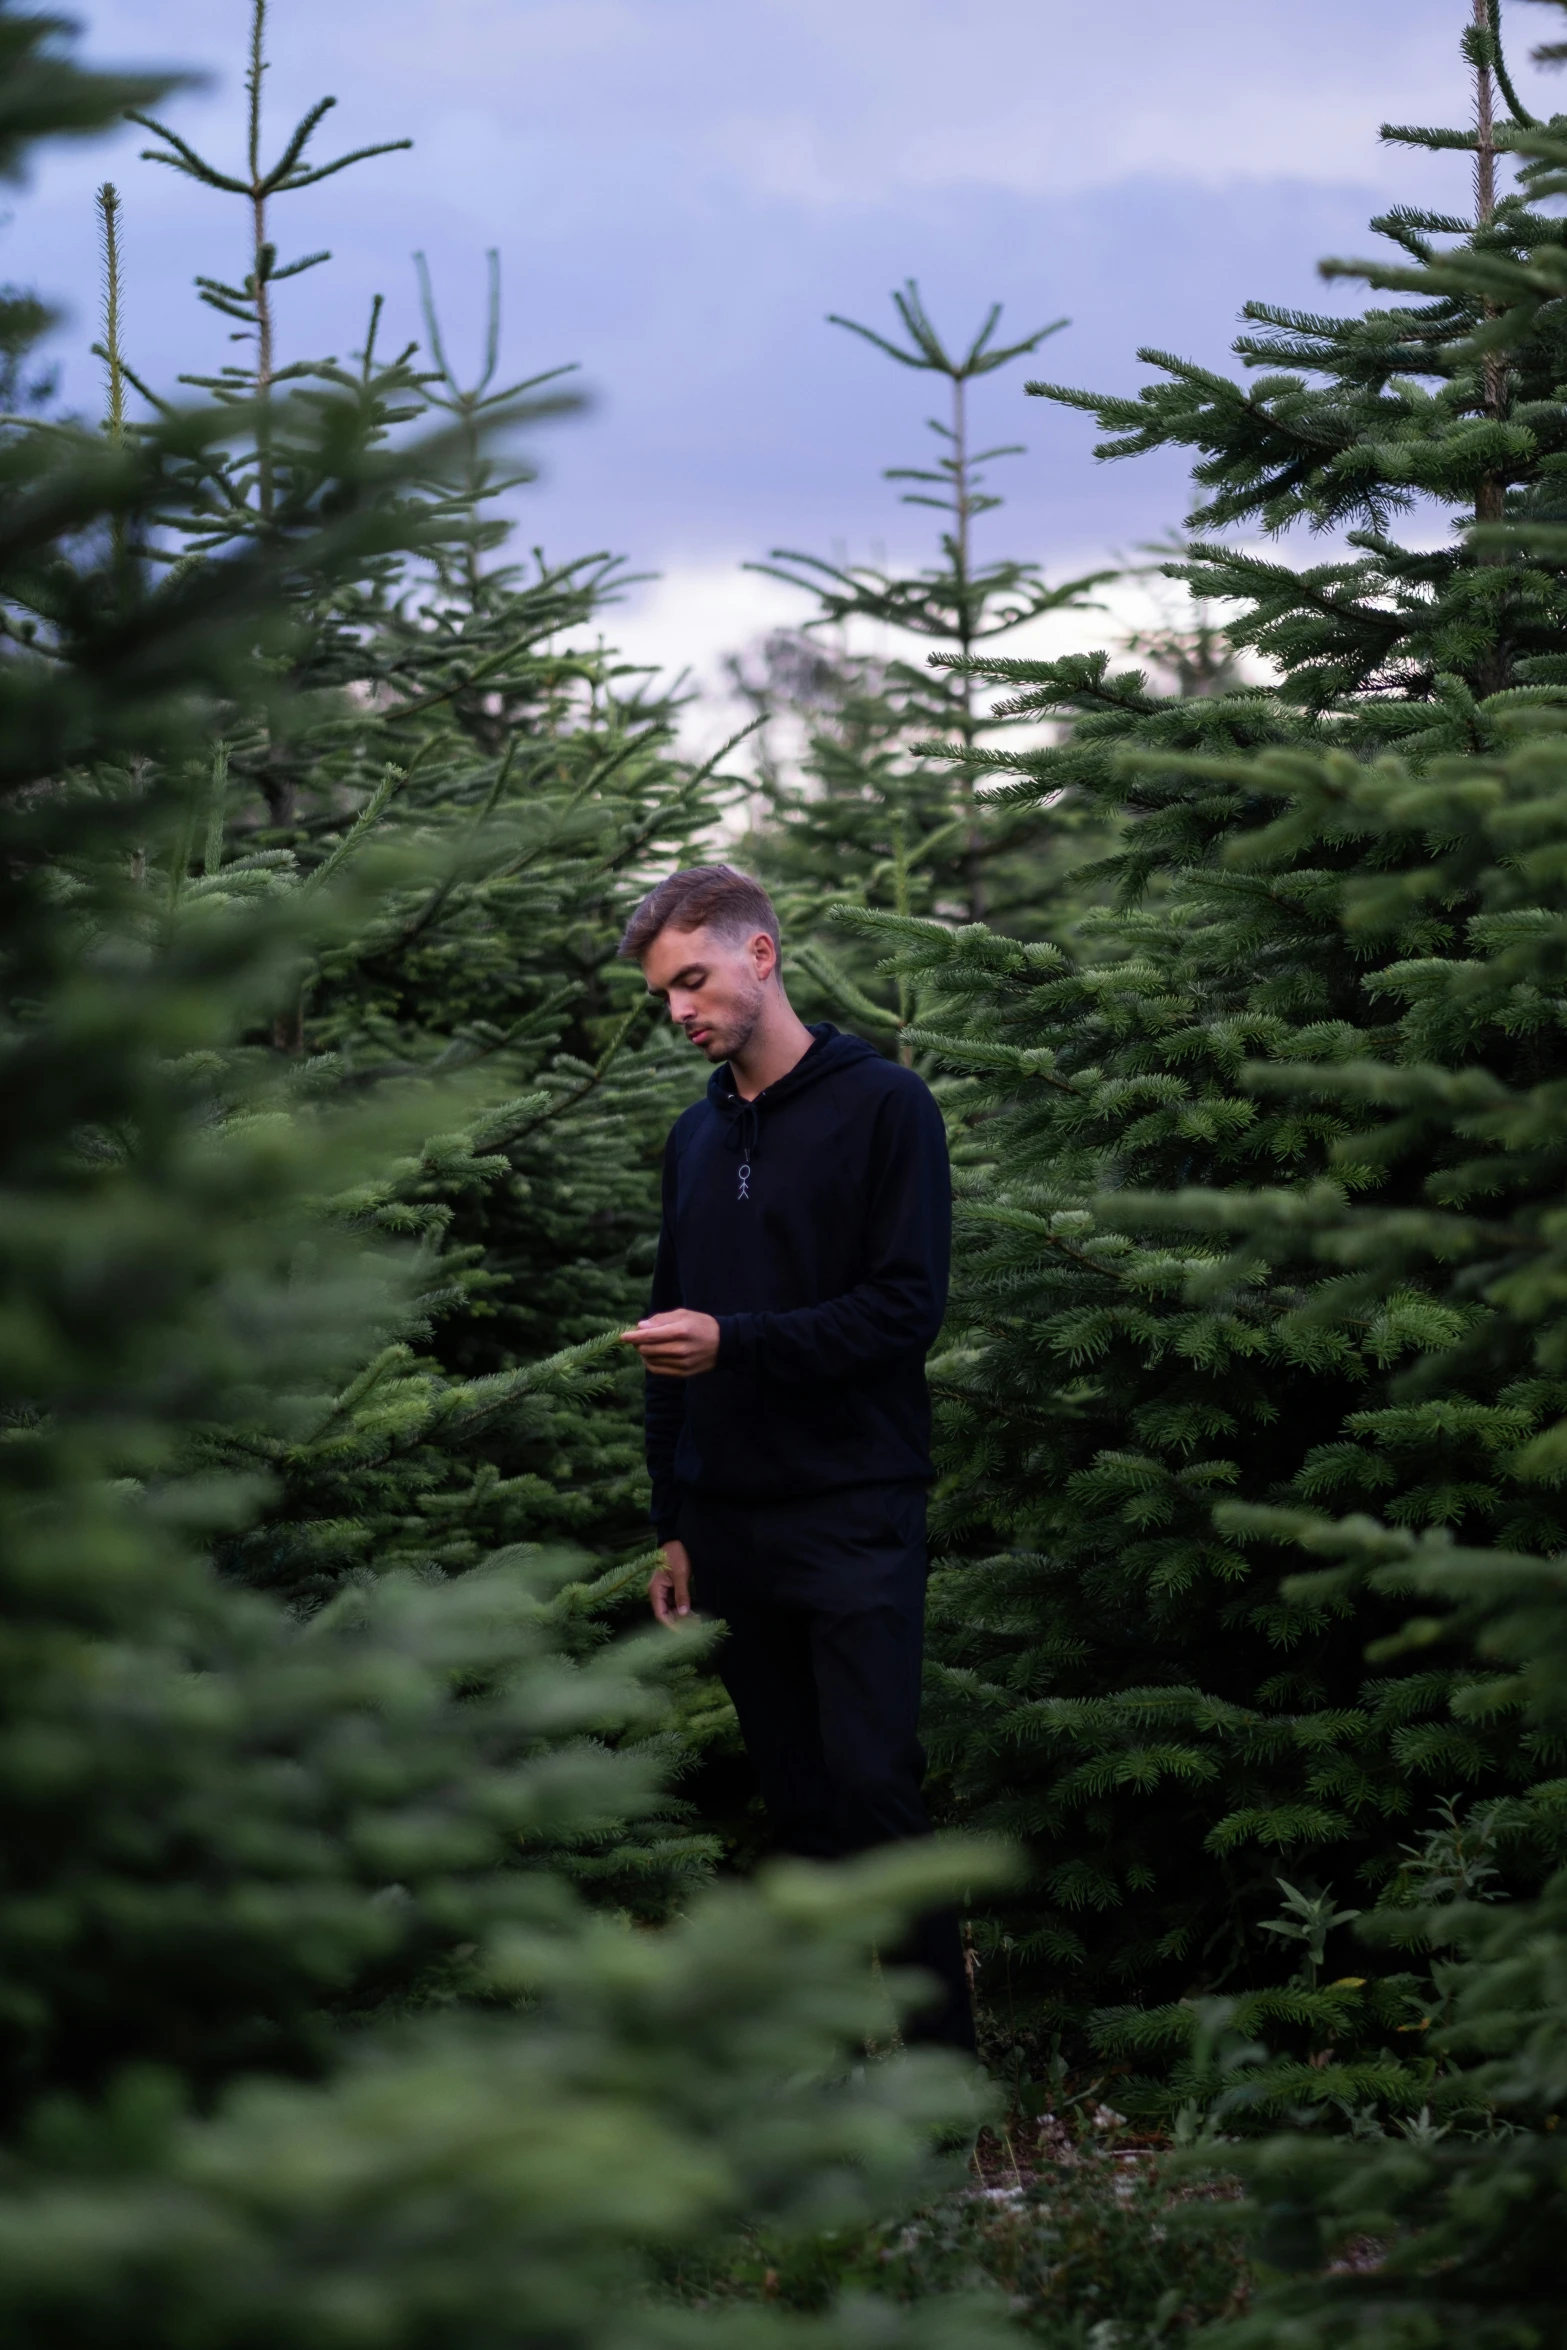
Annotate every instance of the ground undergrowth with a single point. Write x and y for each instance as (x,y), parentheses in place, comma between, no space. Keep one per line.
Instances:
(1090,2235)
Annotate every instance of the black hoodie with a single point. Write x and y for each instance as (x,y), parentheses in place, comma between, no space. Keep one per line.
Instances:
(814,1223)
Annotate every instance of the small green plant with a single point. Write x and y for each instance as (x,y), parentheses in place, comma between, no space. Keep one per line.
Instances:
(1455,1859)
(1308,1918)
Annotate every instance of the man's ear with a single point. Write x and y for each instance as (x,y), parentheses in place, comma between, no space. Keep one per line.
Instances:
(764,955)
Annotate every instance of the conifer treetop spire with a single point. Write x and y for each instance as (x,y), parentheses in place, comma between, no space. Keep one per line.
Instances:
(473,408)
(879,821)
(1484,53)
(251,302)
(1485,122)
(955,486)
(108,202)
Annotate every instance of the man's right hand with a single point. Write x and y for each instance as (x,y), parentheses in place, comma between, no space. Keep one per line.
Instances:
(669,1586)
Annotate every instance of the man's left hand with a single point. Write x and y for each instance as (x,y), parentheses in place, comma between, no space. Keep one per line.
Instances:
(678,1346)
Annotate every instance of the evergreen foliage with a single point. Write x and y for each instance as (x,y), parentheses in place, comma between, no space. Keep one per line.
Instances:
(1465,2210)
(866,813)
(1187,1741)
(357,1978)
(514,791)
(1461,1120)
(305,2031)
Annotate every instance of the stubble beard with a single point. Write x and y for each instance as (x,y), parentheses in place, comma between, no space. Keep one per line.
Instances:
(724,1043)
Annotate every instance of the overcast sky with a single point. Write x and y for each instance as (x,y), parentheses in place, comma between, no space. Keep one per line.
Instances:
(681,189)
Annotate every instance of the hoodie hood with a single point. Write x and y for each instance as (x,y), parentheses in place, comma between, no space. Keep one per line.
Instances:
(830,1050)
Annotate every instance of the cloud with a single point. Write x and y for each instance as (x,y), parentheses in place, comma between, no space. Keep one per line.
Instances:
(827,103)
(697,614)
(680,189)
(1053,99)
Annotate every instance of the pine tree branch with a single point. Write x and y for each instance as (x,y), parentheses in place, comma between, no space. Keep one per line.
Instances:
(325,171)
(596,1076)
(1498,64)
(443,889)
(278,175)
(184,157)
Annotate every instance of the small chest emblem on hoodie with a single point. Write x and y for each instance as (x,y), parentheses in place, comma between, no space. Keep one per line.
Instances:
(745,1180)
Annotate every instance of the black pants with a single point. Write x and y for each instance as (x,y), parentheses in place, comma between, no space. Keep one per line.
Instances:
(825,1603)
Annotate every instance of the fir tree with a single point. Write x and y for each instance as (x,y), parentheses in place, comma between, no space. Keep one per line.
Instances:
(1456,1240)
(503,792)
(870,813)
(304,2032)
(1124,1683)
(1467,1120)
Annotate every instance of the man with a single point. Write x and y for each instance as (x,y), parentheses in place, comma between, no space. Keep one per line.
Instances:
(801,1278)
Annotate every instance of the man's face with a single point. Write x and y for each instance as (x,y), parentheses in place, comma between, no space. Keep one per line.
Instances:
(715,986)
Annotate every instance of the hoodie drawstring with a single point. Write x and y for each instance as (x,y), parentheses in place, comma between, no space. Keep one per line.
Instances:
(745,1129)
(744,1118)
